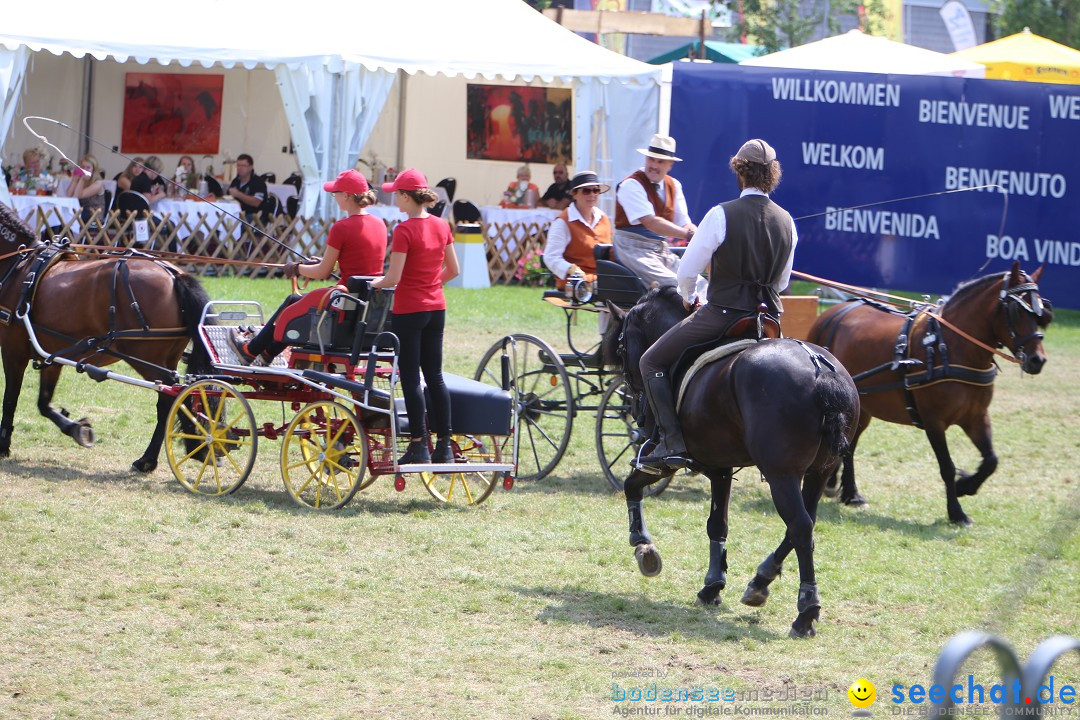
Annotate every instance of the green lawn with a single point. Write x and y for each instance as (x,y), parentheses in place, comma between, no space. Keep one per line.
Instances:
(123,596)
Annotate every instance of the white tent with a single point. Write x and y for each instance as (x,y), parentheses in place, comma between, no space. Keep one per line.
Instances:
(854,51)
(336,61)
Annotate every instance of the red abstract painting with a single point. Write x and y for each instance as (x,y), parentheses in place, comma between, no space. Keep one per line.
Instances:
(171,113)
(531,124)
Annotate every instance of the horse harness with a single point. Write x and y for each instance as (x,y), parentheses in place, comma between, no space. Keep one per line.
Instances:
(936,368)
(42,260)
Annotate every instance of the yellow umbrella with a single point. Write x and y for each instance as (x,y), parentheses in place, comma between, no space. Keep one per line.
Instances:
(1026,56)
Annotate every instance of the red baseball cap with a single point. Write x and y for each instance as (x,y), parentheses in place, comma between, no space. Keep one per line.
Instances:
(348,181)
(411,179)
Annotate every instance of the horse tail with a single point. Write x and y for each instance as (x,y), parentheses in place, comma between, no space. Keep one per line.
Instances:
(834,399)
(192,298)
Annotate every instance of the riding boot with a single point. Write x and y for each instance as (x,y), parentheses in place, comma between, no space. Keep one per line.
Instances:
(416,454)
(443,452)
(639,534)
(670,452)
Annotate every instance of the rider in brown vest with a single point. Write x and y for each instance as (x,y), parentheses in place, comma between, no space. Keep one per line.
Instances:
(749,246)
(574,233)
(650,207)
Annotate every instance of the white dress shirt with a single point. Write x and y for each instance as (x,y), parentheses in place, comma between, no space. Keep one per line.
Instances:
(558,237)
(710,235)
(635,203)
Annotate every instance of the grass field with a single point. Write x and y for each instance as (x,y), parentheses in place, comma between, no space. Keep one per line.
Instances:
(123,596)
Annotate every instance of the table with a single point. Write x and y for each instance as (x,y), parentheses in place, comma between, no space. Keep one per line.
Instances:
(190,216)
(283,192)
(388,213)
(497,214)
(50,210)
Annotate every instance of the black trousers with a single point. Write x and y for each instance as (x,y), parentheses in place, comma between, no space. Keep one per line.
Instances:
(421,336)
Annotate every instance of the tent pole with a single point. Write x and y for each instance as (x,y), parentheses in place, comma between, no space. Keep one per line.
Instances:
(86,112)
(399,160)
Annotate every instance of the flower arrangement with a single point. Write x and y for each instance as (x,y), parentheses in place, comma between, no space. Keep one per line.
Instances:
(530,270)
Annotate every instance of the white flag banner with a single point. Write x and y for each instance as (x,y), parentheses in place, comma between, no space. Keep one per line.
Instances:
(718,14)
(958,22)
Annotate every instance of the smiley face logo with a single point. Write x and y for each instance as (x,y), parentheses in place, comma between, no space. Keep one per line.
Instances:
(862,693)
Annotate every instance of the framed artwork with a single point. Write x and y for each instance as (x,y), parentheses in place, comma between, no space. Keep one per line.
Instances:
(531,124)
(171,113)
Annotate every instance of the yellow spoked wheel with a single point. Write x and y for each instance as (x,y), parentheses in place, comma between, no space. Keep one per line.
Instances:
(466,487)
(323,456)
(211,439)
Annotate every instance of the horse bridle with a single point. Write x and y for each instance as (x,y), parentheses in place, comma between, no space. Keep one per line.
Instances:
(1012,303)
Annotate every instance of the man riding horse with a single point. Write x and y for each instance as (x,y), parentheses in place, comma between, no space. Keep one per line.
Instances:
(749,246)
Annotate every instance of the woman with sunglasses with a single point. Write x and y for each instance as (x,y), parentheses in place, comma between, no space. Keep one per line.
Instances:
(422,258)
(572,235)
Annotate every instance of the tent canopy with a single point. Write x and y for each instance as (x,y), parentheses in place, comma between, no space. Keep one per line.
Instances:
(335,62)
(714,51)
(1026,56)
(854,51)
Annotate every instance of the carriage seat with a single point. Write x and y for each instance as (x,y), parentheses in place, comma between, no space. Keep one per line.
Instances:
(335,318)
(475,408)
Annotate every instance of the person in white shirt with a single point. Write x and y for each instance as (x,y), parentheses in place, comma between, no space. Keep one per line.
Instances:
(748,244)
(649,208)
(576,231)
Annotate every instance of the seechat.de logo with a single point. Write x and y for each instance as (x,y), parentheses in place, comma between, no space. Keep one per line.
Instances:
(862,695)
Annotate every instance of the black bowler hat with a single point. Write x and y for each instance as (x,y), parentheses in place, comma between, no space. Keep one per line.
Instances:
(587,178)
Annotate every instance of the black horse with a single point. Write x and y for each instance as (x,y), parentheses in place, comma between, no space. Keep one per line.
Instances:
(785,406)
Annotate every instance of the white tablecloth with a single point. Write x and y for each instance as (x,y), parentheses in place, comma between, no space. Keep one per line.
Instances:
(388,213)
(497,214)
(283,192)
(190,216)
(27,206)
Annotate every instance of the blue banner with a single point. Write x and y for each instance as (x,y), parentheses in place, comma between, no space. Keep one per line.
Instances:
(848,141)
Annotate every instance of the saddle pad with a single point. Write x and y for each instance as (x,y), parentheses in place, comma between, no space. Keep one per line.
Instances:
(710,356)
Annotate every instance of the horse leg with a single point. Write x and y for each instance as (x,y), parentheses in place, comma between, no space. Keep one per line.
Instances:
(792,506)
(149,460)
(80,431)
(940,445)
(717,528)
(979,433)
(849,493)
(648,557)
(14,370)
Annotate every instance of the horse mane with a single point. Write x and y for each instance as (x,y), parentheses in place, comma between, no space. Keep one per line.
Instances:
(12,228)
(969,287)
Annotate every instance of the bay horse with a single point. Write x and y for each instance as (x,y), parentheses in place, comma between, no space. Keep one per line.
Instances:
(97,311)
(935,368)
(787,407)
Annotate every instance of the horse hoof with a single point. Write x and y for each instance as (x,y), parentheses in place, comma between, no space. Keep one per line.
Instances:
(82,433)
(965,487)
(648,560)
(803,627)
(144,466)
(831,490)
(709,595)
(961,520)
(755,595)
(857,501)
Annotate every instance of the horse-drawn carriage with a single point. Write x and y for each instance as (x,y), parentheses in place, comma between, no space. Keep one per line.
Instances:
(552,388)
(338,377)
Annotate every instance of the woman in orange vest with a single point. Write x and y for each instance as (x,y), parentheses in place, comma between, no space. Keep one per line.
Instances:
(572,235)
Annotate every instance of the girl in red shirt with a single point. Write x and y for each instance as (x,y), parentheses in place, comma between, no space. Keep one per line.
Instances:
(422,258)
(357,245)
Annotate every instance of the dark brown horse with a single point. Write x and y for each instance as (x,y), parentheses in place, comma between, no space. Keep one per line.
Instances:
(96,311)
(936,369)
(787,407)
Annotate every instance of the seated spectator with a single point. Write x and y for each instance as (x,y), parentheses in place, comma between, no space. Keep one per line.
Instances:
(247,187)
(185,175)
(123,179)
(557,196)
(31,176)
(89,188)
(149,182)
(522,193)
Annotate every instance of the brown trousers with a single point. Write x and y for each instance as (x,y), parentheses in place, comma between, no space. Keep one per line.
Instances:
(705,324)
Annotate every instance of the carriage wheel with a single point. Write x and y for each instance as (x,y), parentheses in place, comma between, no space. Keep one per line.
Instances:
(211,438)
(466,487)
(323,456)
(618,437)
(540,387)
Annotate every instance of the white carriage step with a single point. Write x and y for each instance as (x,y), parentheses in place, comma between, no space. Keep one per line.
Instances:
(455,467)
